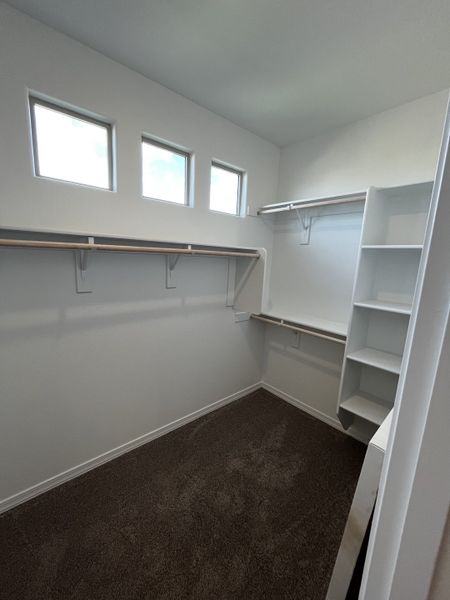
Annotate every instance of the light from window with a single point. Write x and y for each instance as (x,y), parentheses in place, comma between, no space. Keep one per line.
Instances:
(70,147)
(164,172)
(225,193)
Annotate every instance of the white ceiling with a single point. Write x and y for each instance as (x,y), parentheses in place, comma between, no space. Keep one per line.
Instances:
(284,69)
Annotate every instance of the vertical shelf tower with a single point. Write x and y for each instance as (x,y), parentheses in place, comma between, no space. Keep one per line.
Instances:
(391,244)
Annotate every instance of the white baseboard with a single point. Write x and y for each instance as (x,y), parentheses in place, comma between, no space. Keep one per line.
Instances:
(78,470)
(311,410)
(305,407)
(92,463)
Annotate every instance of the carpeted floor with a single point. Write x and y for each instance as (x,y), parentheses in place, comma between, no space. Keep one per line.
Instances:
(248,502)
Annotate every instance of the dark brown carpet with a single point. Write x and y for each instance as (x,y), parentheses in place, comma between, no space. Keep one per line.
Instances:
(248,502)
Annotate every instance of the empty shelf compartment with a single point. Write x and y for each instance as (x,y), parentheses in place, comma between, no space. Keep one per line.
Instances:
(387,277)
(397,215)
(367,407)
(377,358)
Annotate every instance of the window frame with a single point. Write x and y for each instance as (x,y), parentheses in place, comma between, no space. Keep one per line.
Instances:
(34,100)
(241,174)
(186,154)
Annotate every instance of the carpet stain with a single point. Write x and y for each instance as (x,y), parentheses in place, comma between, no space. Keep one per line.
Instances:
(248,502)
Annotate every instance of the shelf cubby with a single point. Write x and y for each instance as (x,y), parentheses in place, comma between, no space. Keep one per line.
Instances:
(368,393)
(398,215)
(388,276)
(367,407)
(377,338)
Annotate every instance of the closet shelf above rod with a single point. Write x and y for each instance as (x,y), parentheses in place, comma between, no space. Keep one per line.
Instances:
(189,249)
(312,203)
(320,333)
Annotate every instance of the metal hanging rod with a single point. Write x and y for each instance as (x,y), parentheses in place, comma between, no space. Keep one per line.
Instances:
(340,339)
(312,203)
(192,251)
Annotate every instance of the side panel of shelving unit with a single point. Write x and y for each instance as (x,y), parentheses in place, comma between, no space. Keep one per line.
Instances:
(348,380)
(250,283)
(389,257)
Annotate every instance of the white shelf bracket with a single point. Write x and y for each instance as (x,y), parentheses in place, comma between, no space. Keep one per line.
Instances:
(84,284)
(231,281)
(295,339)
(240,316)
(305,222)
(171,263)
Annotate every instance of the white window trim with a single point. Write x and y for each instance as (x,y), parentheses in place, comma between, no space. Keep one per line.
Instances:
(186,154)
(241,186)
(34,100)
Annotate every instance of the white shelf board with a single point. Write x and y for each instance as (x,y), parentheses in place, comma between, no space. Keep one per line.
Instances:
(376,358)
(367,407)
(393,307)
(313,322)
(392,246)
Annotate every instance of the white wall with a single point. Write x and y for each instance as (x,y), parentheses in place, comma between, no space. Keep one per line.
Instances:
(38,58)
(395,147)
(314,281)
(83,374)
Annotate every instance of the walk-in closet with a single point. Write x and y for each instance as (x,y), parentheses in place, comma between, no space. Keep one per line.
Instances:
(224,300)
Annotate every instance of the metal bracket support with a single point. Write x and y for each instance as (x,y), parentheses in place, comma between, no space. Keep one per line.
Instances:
(84,285)
(305,222)
(241,316)
(171,263)
(231,281)
(295,339)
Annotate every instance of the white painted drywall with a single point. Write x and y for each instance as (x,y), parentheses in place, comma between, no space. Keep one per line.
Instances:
(315,280)
(83,374)
(305,368)
(38,58)
(395,147)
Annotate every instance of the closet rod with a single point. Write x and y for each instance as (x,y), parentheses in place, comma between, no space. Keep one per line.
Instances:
(11,243)
(284,206)
(281,323)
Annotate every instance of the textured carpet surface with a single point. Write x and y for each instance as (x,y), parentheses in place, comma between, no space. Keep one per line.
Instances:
(248,502)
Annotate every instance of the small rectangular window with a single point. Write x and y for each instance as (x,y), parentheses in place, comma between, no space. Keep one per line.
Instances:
(70,146)
(165,172)
(226,189)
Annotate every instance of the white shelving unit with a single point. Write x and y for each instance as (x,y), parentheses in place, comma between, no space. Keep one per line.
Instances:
(391,244)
